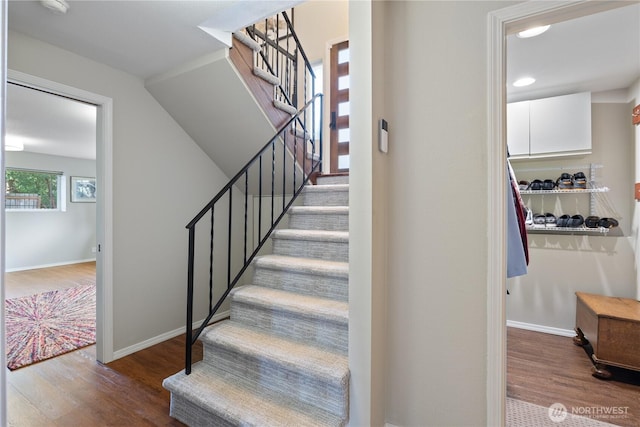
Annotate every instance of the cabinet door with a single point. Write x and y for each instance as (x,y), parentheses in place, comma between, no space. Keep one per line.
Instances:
(518,128)
(561,124)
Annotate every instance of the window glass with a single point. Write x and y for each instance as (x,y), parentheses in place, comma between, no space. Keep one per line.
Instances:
(343,135)
(343,56)
(343,108)
(32,189)
(343,82)
(343,162)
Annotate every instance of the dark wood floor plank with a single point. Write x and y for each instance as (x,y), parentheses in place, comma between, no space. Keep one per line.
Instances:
(546,369)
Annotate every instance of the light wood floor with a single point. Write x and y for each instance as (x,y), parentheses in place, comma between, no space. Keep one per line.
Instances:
(546,369)
(29,282)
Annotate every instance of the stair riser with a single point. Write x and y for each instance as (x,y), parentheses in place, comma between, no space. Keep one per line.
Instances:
(328,180)
(304,283)
(270,375)
(328,251)
(322,333)
(325,198)
(191,414)
(329,222)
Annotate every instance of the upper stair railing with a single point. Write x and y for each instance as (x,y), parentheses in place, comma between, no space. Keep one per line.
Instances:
(280,53)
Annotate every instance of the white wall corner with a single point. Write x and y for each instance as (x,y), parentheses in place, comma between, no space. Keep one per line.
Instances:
(221,35)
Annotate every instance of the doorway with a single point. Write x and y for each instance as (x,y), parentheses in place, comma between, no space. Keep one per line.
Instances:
(339,107)
(501,23)
(104,220)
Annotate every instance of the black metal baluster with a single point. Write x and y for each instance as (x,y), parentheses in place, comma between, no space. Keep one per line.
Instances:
(273,178)
(189,337)
(211,263)
(246,207)
(260,201)
(229,238)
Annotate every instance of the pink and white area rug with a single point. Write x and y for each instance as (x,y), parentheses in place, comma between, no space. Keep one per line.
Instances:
(46,325)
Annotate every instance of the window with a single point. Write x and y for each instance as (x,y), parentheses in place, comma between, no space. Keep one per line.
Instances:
(34,190)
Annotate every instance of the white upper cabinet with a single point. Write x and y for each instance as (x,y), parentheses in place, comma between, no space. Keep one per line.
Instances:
(518,128)
(556,126)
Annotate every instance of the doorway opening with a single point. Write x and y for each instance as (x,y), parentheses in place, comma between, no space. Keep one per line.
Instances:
(501,23)
(103,200)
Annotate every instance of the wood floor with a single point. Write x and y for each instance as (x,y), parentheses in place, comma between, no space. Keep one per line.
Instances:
(546,369)
(75,390)
(29,282)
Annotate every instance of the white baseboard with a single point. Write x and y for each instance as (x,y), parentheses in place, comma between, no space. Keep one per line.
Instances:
(541,328)
(55,264)
(163,337)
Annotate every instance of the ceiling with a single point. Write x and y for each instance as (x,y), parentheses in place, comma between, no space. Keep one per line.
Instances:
(146,38)
(595,53)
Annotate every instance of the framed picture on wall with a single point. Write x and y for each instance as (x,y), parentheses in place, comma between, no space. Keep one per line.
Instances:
(83,189)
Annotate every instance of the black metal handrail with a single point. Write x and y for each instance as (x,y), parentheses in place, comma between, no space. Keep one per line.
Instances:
(279,56)
(301,132)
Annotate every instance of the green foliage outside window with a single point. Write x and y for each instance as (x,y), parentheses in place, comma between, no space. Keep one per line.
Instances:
(31,189)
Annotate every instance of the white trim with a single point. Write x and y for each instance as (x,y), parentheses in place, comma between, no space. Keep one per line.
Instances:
(500,23)
(496,229)
(3,92)
(104,214)
(55,264)
(164,337)
(541,328)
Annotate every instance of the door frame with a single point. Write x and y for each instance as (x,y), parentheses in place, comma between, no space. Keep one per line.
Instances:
(104,203)
(501,23)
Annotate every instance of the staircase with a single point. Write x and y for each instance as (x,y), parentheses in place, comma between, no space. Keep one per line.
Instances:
(281,358)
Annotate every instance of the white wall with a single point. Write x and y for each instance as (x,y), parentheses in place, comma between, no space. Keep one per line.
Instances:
(561,265)
(433,57)
(42,238)
(320,22)
(161,178)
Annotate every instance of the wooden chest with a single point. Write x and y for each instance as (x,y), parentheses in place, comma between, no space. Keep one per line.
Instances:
(612,326)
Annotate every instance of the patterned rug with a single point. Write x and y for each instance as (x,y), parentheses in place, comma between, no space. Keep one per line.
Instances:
(46,325)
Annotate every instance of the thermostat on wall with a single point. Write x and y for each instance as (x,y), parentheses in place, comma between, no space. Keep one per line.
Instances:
(383,135)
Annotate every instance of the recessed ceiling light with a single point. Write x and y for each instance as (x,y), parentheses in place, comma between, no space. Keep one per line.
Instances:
(532,32)
(525,81)
(57,6)
(12,143)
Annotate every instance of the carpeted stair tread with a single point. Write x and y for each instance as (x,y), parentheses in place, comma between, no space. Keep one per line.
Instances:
(319,210)
(335,178)
(312,235)
(306,265)
(308,276)
(247,41)
(302,305)
(324,365)
(326,187)
(285,107)
(224,400)
(334,218)
(266,76)
(326,195)
(307,319)
(320,244)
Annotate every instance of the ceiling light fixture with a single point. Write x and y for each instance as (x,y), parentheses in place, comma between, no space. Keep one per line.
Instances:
(13,144)
(532,32)
(57,6)
(525,81)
